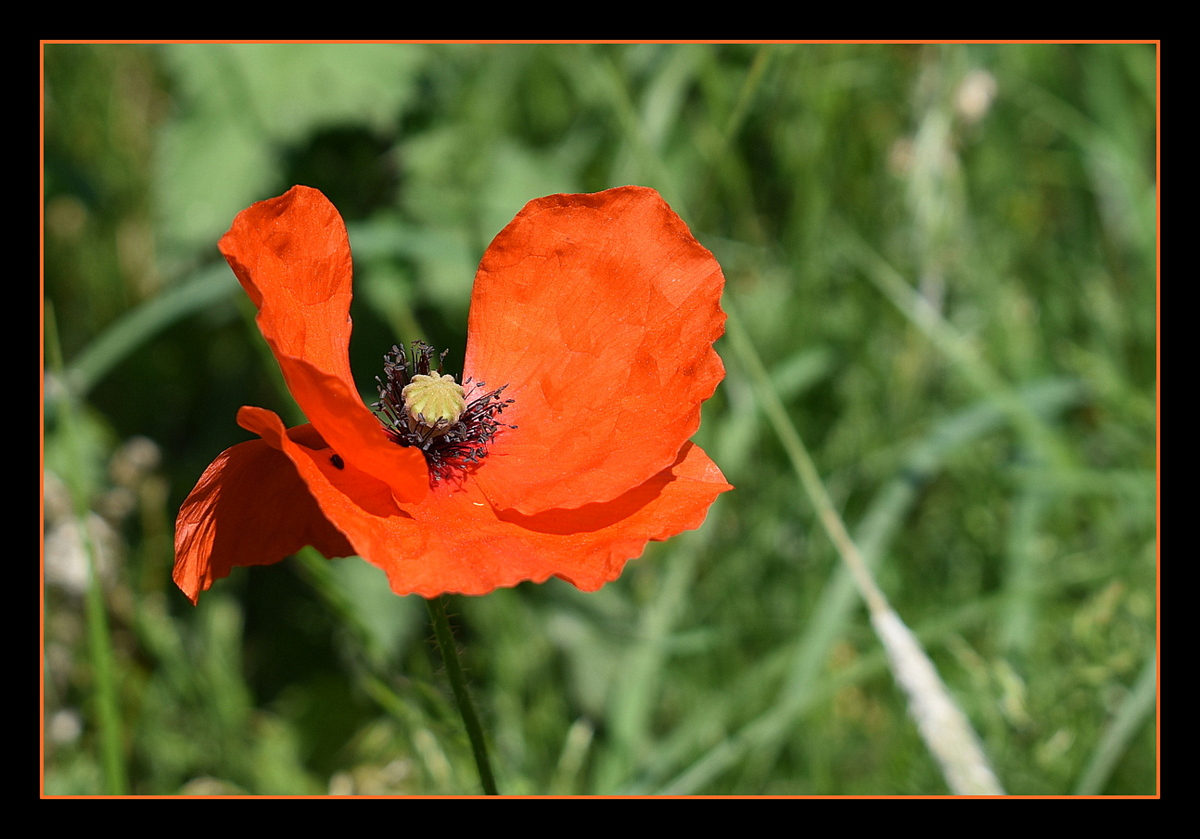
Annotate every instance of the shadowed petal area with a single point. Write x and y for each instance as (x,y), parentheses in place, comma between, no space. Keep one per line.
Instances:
(292,256)
(333,481)
(248,508)
(599,312)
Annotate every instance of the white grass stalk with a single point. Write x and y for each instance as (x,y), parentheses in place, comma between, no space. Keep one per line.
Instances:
(944,727)
(942,724)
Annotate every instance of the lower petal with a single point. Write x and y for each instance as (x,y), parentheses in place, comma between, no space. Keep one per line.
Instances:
(458,543)
(454,541)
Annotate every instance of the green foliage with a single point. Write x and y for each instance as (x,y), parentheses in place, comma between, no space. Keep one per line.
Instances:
(945,257)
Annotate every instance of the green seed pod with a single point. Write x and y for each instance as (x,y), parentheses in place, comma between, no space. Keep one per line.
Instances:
(434,401)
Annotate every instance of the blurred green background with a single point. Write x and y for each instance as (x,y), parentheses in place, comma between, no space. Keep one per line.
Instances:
(944,256)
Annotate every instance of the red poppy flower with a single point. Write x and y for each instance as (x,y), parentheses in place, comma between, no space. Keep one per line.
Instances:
(592,321)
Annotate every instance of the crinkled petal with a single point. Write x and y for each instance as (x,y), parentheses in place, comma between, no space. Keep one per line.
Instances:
(599,312)
(292,256)
(248,508)
(454,540)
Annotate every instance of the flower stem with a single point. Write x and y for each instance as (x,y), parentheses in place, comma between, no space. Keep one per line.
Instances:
(458,683)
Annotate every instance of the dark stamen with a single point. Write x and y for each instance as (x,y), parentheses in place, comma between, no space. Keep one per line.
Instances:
(449,450)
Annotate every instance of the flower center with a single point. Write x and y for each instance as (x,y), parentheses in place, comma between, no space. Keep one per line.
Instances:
(452,424)
(435,402)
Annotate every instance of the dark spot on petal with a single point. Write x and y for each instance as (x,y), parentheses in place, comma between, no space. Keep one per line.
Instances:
(337,461)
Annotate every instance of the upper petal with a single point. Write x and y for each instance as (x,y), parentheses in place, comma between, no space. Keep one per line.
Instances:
(292,256)
(248,508)
(599,312)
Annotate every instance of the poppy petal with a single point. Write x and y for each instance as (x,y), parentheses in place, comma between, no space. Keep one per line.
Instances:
(248,508)
(599,312)
(292,256)
(454,541)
